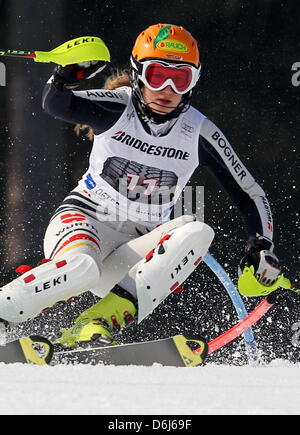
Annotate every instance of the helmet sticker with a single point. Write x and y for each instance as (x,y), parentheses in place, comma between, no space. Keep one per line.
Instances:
(172,45)
(174,57)
(163,34)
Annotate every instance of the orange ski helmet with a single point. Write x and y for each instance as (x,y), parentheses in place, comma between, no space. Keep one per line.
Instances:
(167,42)
(173,51)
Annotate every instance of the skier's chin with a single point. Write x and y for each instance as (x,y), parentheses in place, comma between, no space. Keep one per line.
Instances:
(161,109)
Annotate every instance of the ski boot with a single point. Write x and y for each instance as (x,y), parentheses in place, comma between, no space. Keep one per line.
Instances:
(98,324)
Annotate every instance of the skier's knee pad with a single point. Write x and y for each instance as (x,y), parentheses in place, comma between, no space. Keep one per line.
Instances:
(40,288)
(170,263)
(123,260)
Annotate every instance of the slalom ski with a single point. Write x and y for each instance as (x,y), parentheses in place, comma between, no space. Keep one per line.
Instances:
(176,351)
(12,353)
(37,350)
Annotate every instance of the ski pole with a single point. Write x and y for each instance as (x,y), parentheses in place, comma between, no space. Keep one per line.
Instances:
(18,53)
(84,49)
(238,329)
(286,284)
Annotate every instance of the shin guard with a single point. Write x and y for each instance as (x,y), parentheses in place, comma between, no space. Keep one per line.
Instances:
(168,265)
(40,288)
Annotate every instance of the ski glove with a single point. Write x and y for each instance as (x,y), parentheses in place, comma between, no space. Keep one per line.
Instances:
(259,253)
(69,77)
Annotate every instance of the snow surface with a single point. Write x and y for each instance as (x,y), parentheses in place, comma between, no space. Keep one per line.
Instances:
(156,390)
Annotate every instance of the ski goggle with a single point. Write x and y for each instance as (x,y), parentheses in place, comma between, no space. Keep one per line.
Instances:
(157,75)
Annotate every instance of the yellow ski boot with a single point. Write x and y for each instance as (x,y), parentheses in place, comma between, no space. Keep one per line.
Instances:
(98,323)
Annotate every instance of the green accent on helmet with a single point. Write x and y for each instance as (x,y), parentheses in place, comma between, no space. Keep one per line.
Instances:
(163,34)
(84,49)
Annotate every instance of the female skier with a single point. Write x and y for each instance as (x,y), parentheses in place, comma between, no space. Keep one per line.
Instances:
(112,234)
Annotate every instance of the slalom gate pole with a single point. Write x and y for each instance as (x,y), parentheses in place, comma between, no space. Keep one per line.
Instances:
(237,301)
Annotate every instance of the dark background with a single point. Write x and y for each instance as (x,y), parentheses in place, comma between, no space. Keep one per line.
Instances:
(248,49)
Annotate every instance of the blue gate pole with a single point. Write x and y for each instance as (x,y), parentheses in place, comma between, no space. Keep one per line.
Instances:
(237,301)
